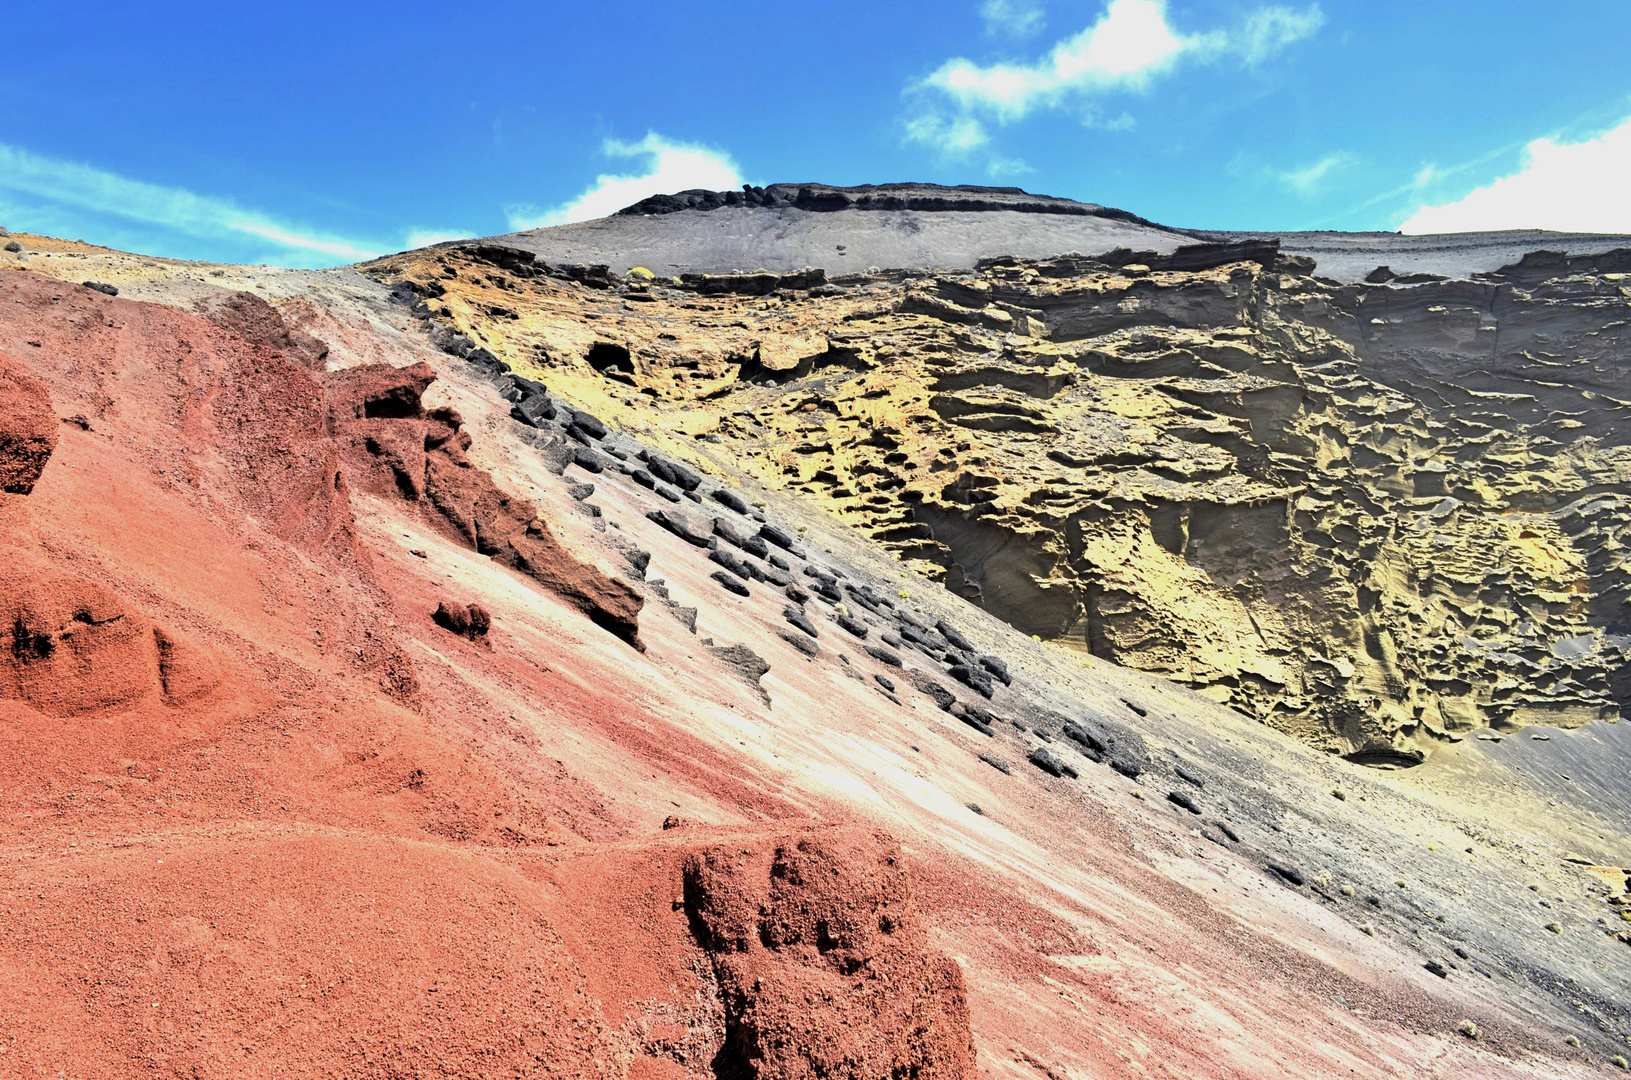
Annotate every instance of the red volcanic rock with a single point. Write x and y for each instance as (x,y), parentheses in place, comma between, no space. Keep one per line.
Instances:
(610,604)
(466,620)
(68,645)
(28,429)
(378,391)
(258,322)
(823,962)
(395,445)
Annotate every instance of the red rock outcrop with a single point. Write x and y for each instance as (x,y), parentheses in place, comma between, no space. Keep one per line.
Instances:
(28,429)
(377,411)
(823,963)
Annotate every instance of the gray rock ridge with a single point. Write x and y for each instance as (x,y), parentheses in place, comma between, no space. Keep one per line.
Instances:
(1350,256)
(930,198)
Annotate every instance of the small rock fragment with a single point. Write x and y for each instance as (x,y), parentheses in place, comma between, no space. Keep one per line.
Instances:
(682,525)
(798,619)
(730,499)
(883,655)
(799,642)
(854,626)
(467,620)
(1050,764)
(729,582)
(1287,872)
(1179,798)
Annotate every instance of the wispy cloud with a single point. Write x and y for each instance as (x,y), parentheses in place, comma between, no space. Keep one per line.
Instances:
(1270,31)
(952,136)
(960,138)
(1569,187)
(1013,18)
(418,238)
(67,184)
(669,167)
(1094,120)
(1309,178)
(1132,43)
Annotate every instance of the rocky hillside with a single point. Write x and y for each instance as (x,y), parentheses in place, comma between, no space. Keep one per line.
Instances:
(1376,516)
(372,707)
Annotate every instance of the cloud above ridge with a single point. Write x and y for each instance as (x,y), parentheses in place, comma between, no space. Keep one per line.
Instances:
(1567,187)
(669,167)
(1130,44)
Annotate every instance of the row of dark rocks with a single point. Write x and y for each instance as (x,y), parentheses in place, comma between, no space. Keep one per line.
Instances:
(751,550)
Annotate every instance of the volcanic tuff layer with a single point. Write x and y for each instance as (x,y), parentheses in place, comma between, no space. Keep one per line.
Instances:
(1375,516)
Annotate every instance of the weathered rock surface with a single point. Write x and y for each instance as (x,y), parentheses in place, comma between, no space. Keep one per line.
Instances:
(28,429)
(823,963)
(1376,516)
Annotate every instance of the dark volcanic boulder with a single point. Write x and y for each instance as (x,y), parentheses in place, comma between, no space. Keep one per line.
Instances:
(670,472)
(973,677)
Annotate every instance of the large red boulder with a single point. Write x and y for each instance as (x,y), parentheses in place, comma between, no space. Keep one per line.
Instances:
(823,961)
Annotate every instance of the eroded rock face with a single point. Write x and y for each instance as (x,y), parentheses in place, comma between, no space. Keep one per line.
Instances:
(394,443)
(1373,515)
(822,960)
(28,429)
(70,646)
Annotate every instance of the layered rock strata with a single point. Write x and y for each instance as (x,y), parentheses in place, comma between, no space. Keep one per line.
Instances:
(1376,516)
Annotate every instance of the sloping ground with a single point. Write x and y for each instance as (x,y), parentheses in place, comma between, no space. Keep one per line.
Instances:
(784,227)
(302,827)
(844,230)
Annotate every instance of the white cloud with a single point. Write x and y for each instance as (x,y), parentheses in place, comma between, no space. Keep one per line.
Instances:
(1095,121)
(1270,31)
(670,167)
(953,137)
(1012,18)
(1310,177)
(82,187)
(960,138)
(1129,45)
(1569,187)
(419,238)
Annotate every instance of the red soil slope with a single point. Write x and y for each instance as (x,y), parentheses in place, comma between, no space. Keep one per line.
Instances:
(247,835)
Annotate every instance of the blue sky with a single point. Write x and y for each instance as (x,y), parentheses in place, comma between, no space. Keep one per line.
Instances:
(316,134)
